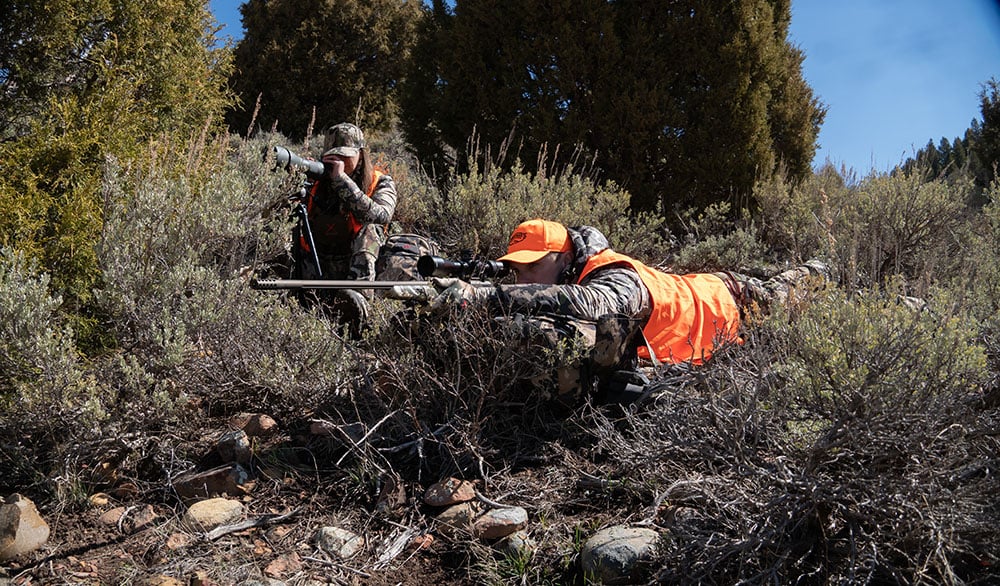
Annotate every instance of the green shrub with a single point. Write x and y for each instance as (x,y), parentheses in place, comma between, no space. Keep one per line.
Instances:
(713,243)
(179,241)
(39,369)
(845,439)
(874,353)
(900,225)
(480,210)
(797,219)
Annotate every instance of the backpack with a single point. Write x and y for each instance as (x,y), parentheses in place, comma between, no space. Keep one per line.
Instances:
(397,258)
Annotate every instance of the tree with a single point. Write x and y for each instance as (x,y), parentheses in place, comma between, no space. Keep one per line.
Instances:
(683,102)
(84,80)
(163,50)
(988,147)
(976,154)
(340,60)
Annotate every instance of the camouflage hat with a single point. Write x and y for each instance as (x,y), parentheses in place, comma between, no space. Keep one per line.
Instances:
(343,139)
(534,239)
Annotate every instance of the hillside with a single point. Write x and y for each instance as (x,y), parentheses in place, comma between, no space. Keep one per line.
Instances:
(849,439)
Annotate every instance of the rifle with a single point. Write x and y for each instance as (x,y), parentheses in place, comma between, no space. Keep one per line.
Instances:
(294,284)
(418,291)
(279,284)
(428,266)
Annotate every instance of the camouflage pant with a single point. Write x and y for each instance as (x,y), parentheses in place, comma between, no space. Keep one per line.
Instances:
(578,354)
(359,265)
(755,295)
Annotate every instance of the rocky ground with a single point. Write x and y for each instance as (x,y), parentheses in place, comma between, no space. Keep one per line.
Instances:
(247,516)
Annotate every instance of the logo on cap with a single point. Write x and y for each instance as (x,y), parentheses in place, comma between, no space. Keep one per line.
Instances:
(516,237)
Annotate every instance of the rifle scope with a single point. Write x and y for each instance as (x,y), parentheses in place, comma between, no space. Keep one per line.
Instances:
(284,159)
(435,266)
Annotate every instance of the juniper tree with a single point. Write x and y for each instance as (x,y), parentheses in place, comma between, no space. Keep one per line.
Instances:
(343,59)
(82,81)
(682,102)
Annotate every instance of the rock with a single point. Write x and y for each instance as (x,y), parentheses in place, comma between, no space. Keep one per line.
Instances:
(284,564)
(260,425)
(228,480)
(99,499)
(497,523)
(234,446)
(457,518)
(129,519)
(392,495)
(339,542)
(211,513)
(517,545)
(125,490)
(418,542)
(449,491)
(353,432)
(613,554)
(201,578)
(178,541)
(22,529)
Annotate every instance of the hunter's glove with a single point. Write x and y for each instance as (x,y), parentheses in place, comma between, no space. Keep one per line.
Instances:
(418,291)
(442,293)
(455,293)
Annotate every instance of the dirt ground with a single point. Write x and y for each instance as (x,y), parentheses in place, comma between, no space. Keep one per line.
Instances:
(84,549)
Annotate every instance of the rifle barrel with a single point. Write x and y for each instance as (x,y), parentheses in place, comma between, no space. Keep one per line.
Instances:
(278,284)
(274,284)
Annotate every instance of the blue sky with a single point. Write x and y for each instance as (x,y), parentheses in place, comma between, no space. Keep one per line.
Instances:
(892,73)
(895,73)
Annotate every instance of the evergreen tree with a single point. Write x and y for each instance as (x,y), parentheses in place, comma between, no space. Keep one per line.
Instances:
(420,96)
(976,154)
(82,81)
(683,102)
(959,154)
(162,50)
(988,147)
(339,61)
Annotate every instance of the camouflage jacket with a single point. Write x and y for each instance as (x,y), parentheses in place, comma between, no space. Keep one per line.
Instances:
(377,209)
(612,289)
(335,199)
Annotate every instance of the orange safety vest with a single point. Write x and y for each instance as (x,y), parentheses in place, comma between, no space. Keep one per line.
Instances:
(353,225)
(692,314)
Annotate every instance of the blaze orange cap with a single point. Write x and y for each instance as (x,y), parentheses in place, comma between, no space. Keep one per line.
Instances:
(533,239)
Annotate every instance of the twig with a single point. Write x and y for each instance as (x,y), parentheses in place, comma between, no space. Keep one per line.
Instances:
(494,504)
(259,521)
(417,441)
(356,445)
(591,481)
(121,520)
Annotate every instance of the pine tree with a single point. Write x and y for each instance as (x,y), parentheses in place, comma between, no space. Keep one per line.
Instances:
(988,147)
(976,154)
(340,61)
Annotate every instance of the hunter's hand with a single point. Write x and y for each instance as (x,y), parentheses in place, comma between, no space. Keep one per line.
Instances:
(334,167)
(453,292)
